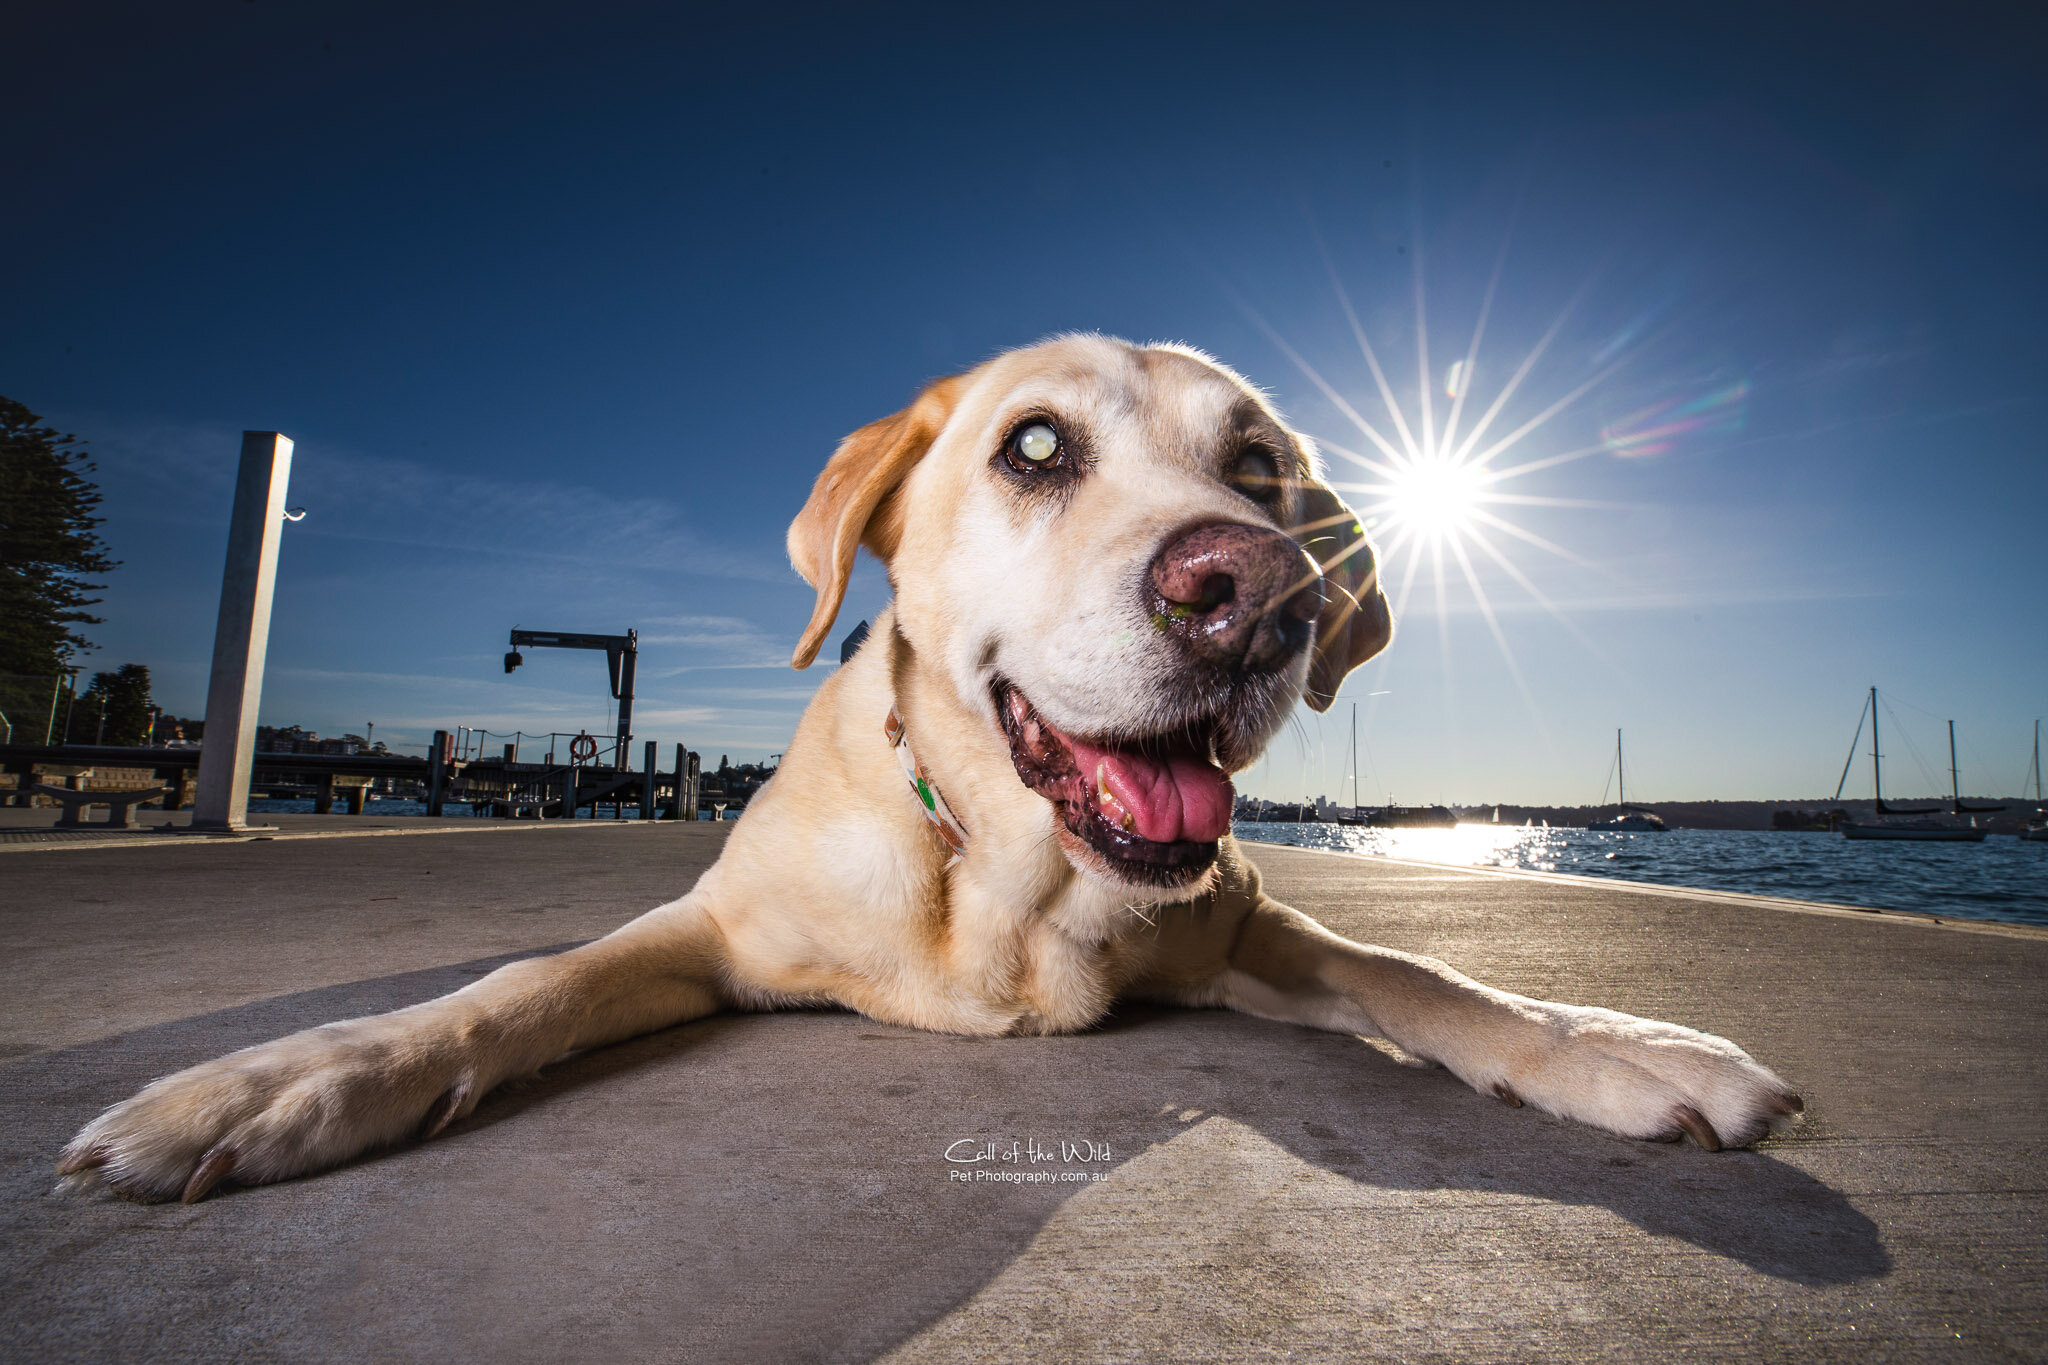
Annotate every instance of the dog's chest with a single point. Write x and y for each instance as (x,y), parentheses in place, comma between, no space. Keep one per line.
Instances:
(1059,986)
(1041,977)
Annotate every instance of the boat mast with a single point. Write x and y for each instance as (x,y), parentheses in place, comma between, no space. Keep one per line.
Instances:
(1354,758)
(1955,783)
(2037,760)
(1620,781)
(1876,772)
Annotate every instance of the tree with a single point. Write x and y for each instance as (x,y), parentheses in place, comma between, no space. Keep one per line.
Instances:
(124,696)
(114,710)
(49,544)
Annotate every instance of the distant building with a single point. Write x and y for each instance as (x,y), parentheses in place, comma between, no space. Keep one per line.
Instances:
(296,739)
(736,782)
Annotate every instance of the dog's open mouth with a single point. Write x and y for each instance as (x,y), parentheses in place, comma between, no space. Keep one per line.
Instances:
(1153,808)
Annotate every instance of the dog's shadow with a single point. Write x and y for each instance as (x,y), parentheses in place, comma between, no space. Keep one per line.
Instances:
(796,1186)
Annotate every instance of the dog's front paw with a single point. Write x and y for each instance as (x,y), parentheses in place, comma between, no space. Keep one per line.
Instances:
(1641,1078)
(285,1108)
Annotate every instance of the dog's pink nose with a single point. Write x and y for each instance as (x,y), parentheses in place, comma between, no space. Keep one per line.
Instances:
(1240,597)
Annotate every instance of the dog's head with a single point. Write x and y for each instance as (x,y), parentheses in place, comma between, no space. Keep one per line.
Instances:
(1127,565)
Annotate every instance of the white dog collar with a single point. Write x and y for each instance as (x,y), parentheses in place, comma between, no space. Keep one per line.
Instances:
(921,785)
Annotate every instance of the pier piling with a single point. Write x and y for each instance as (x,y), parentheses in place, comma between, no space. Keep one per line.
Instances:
(437,773)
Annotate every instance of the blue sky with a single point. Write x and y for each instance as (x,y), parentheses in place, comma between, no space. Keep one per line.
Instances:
(565,307)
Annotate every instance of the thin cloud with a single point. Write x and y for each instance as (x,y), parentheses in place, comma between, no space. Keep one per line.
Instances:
(184,471)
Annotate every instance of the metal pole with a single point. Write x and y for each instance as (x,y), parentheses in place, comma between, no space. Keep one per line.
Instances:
(50,729)
(627,667)
(437,773)
(241,636)
(647,787)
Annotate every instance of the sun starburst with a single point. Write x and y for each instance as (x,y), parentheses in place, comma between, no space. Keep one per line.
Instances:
(1441,495)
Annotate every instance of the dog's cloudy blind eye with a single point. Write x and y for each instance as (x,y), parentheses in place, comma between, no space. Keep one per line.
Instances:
(1257,474)
(1038,443)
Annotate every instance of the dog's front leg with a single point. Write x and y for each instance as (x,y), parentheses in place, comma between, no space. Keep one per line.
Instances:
(315,1099)
(1637,1077)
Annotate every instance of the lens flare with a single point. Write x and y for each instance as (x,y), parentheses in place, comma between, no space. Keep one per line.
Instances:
(1658,428)
(1457,379)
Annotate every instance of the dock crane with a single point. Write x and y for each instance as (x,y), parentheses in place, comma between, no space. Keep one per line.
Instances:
(622,653)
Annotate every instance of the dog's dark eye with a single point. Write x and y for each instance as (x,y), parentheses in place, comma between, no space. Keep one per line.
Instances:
(1256,474)
(1035,448)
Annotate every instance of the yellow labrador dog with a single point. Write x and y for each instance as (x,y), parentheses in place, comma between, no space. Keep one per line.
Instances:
(1116,572)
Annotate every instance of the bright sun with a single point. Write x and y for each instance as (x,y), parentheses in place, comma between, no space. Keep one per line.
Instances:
(1434,498)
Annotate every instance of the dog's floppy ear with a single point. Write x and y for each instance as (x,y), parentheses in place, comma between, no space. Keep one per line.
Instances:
(846,508)
(1355,622)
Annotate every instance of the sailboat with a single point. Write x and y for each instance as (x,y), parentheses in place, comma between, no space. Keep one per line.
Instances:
(1914,829)
(2036,831)
(1624,820)
(1390,816)
(1357,816)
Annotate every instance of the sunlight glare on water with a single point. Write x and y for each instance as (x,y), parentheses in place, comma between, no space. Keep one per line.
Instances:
(1532,849)
(2002,878)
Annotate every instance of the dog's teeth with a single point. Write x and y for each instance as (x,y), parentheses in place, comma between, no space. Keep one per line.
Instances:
(1112,809)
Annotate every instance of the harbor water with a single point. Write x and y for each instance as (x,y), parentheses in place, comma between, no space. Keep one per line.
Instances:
(2002,878)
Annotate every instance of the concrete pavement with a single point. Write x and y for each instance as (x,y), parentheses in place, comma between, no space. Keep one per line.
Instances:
(777,1187)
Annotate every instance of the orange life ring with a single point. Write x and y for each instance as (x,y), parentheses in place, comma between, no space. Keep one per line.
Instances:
(583,748)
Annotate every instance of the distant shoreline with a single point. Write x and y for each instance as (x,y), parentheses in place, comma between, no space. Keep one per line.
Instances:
(1744,815)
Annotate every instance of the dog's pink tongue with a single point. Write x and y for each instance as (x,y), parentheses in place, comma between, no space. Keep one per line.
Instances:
(1169,799)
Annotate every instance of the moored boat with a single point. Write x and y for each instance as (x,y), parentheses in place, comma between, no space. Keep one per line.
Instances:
(1631,822)
(1627,819)
(1357,816)
(1411,817)
(2036,831)
(1914,828)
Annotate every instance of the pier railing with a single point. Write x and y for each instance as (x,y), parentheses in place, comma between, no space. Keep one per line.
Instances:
(474,744)
(485,786)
